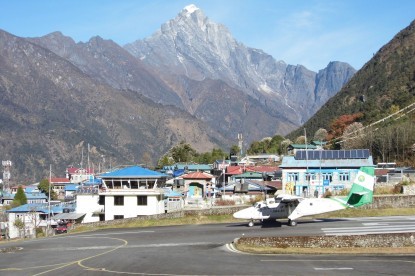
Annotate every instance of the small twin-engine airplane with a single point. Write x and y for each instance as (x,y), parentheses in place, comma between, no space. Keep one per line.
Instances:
(294,207)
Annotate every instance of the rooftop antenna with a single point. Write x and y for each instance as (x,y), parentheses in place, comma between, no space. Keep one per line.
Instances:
(6,174)
(240,142)
(82,157)
(88,161)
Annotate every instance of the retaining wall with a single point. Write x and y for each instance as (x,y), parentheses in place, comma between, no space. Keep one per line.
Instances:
(371,240)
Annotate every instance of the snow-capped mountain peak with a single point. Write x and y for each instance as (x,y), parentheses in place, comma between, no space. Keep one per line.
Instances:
(190,9)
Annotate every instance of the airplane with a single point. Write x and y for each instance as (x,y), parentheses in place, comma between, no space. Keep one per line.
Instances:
(294,207)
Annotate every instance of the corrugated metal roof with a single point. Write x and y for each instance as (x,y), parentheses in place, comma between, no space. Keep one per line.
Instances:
(197,175)
(68,216)
(134,171)
(35,207)
(190,167)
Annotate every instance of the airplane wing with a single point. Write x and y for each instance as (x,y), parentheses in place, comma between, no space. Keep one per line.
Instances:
(289,198)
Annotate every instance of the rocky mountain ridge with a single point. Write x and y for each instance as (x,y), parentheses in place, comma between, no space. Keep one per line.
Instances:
(193,46)
(190,81)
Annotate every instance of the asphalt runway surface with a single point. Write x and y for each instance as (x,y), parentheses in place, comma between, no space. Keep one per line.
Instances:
(201,250)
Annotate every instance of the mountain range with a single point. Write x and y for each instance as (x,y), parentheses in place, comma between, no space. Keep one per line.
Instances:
(191,80)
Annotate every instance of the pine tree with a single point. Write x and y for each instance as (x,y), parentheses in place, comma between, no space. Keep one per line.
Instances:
(20,197)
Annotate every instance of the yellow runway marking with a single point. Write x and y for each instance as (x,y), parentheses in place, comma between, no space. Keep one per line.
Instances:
(79,262)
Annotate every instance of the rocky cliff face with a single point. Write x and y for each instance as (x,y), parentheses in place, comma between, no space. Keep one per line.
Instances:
(191,45)
(50,110)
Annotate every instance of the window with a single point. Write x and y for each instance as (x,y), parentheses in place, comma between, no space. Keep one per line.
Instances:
(310,176)
(101,200)
(327,176)
(141,200)
(344,176)
(118,216)
(119,200)
(292,177)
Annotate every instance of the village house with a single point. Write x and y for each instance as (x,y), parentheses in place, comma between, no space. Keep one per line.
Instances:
(313,172)
(78,175)
(33,196)
(197,186)
(30,217)
(58,186)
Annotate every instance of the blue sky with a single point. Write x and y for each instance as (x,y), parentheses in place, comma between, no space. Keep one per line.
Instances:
(307,32)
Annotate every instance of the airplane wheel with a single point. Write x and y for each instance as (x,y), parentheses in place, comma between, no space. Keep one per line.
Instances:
(292,223)
(251,223)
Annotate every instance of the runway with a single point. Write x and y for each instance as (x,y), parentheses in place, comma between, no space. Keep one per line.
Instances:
(200,250)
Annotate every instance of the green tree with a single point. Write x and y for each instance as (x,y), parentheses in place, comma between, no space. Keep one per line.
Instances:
(19,224)
(235,150)
(44,187)
(19,198)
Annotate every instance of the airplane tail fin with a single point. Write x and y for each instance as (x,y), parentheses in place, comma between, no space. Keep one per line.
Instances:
(361,192)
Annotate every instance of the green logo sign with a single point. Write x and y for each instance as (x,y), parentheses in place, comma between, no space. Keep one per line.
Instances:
(361,178)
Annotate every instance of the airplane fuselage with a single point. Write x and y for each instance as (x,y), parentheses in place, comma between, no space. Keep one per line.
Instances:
(262,211)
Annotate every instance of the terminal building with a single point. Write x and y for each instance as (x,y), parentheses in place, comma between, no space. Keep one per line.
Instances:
(311,173)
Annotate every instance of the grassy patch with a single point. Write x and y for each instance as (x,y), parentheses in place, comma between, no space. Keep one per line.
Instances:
(348,213)
(161,222)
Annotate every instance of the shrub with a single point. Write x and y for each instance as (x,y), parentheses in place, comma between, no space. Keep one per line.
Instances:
(327,193)
(222,202)
(398,189)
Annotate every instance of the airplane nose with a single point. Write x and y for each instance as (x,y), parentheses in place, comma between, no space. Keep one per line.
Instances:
(243,214)
(237,215)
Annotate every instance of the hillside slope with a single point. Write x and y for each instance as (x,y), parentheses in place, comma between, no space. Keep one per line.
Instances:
(385,84)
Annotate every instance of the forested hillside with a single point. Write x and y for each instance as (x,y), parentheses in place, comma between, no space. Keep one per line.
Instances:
(358,116)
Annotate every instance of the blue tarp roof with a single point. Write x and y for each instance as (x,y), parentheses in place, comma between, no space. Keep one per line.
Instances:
(134,171)
(95,181)
(34,195)
(177,173)
(71,187)
(172,194)
(35,207)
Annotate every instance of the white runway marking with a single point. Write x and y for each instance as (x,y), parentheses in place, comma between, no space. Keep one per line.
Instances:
(383,225)
(113,233)
(332,268)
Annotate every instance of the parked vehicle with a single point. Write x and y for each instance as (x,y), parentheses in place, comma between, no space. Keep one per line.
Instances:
(61,228)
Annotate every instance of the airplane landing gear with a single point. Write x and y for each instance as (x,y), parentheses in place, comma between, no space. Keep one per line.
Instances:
(292,222)
(251,223)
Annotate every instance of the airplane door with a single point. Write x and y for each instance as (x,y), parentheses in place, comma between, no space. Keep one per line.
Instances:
(265,212)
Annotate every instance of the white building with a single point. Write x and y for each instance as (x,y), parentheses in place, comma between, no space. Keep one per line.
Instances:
(125,193)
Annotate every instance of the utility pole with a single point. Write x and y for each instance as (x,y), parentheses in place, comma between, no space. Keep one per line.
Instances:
(50,184)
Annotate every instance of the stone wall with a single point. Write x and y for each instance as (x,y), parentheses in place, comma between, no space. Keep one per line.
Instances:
(391,201)
(372,240)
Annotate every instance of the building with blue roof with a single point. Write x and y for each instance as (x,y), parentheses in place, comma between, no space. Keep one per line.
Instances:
(32,215)
(32,197)
(124,193)
(312,172)
(179,169)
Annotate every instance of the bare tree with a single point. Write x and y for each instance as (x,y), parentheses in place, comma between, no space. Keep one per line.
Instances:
(321,134)
(353,136)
